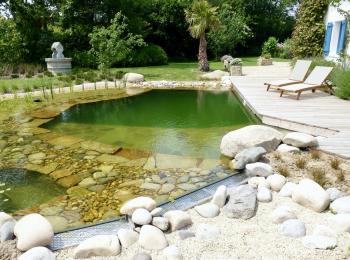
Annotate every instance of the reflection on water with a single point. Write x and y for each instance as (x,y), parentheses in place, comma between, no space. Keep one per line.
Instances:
(189,123)
(21,189)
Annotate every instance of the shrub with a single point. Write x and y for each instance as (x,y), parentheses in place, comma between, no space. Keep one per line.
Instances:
(48,73)
(335,162)
(315,154)
(277,156)
(119,74)
(4,89)
(319,176)
(270,46)
(341,80)
(79,81)
(300,163)
(27,88)
(149,55)
(284,50)
(14,76)
(340,176)
(283,171)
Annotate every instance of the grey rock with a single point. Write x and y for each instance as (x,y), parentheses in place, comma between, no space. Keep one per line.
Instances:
(150,186)
(249,155)
(241,203)
(183,179)
(292,228)
(161,223)
(166,188)
(187,186)
(38,253)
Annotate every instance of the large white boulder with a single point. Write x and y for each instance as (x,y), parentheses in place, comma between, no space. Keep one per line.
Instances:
(38,253)
(334,193)
(250,136)
(127,237)
(258,169)
(141,217)
(341,205)
(311,195)
(33,230)
(300,140)
(208,210)
(178,219)
(220,195)
(285,148)
(287,189)
(133,77)
(292,228)
(276,181)
(100,245)
(140,202)
(152,238)
(264,194)
(249,155)
(281,214)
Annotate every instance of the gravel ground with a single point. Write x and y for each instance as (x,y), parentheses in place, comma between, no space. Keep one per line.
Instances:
(256,238)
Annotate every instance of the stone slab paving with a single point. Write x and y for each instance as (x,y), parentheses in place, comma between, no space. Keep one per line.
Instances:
(315,113)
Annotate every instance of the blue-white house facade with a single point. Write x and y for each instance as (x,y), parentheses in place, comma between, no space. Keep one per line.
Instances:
(336,40)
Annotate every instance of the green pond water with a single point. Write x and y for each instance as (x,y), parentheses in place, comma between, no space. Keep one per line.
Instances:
(180,122)
(20,189)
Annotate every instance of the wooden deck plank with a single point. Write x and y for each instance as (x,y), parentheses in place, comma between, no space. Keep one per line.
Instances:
(313,109)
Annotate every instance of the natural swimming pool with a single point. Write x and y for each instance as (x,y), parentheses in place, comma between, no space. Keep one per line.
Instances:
(179,122)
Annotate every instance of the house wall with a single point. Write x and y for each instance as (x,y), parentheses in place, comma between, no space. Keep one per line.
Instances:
(333,16)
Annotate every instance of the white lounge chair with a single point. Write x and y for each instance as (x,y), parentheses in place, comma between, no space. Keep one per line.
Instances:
(316,80)
(298,75)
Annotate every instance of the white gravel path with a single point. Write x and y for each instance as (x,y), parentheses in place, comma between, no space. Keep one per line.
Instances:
(256,238)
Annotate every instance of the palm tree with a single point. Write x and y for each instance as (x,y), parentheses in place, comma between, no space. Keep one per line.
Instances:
(202,17)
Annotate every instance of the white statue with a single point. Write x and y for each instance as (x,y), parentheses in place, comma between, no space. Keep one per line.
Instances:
(57,49)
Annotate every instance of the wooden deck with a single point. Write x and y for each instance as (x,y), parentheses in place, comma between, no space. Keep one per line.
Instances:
(315,113)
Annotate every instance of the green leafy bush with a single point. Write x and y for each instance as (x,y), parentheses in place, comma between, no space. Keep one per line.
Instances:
(149,55)
(270,46)
(284,50)
(341,80)
(85,59)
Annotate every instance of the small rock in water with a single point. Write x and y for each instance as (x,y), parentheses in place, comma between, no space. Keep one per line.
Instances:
(258,169)
(319,242)
(241,203)
(141,217)
(264,194)
(161,223)
(341,205)
(220,195)
(142,256)
(334,194)
(208,210)
(127,237)
(166,188)
(178,219)
(152,238)
(184,234)
(287,189)
(281,214)
(172,253)
(207,232)
(100,245)
(140,202)
(276,181)
(38,253)
(292,228)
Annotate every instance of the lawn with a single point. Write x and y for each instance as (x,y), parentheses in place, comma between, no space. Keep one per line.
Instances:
(179,71)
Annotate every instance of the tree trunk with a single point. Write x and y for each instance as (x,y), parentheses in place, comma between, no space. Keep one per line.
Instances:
(202,54)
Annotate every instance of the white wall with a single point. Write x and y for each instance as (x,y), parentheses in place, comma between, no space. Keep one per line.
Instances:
(333,16)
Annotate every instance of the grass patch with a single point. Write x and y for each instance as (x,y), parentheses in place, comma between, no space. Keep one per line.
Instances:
(300,163)
(335,162)
(315,155)
(318,175)
(283,171)
(277,156)
(340,176)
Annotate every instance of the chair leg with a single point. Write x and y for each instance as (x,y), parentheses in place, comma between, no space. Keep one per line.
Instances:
(298,96)
(268,87)
(314,90)
(281,94)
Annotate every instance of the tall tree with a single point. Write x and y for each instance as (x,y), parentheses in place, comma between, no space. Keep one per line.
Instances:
(202,17)
(309,32)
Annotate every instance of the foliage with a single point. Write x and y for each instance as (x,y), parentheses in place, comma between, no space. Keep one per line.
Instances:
(114,43)
(201,18)
(11,47)
(284,50)
(300,163)
(235,31)
(84,59)
(335,162)
(315,154)
(270,46)
(283,171)
(318,175)
(149,55)
(341,80)
(309,32)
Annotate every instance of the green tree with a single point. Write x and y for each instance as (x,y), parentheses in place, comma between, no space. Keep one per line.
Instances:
(114,43)
(11,46)
(308,35)
(202,17)
(235,31)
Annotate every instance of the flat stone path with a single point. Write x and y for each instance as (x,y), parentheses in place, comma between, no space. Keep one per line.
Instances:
(315,113)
